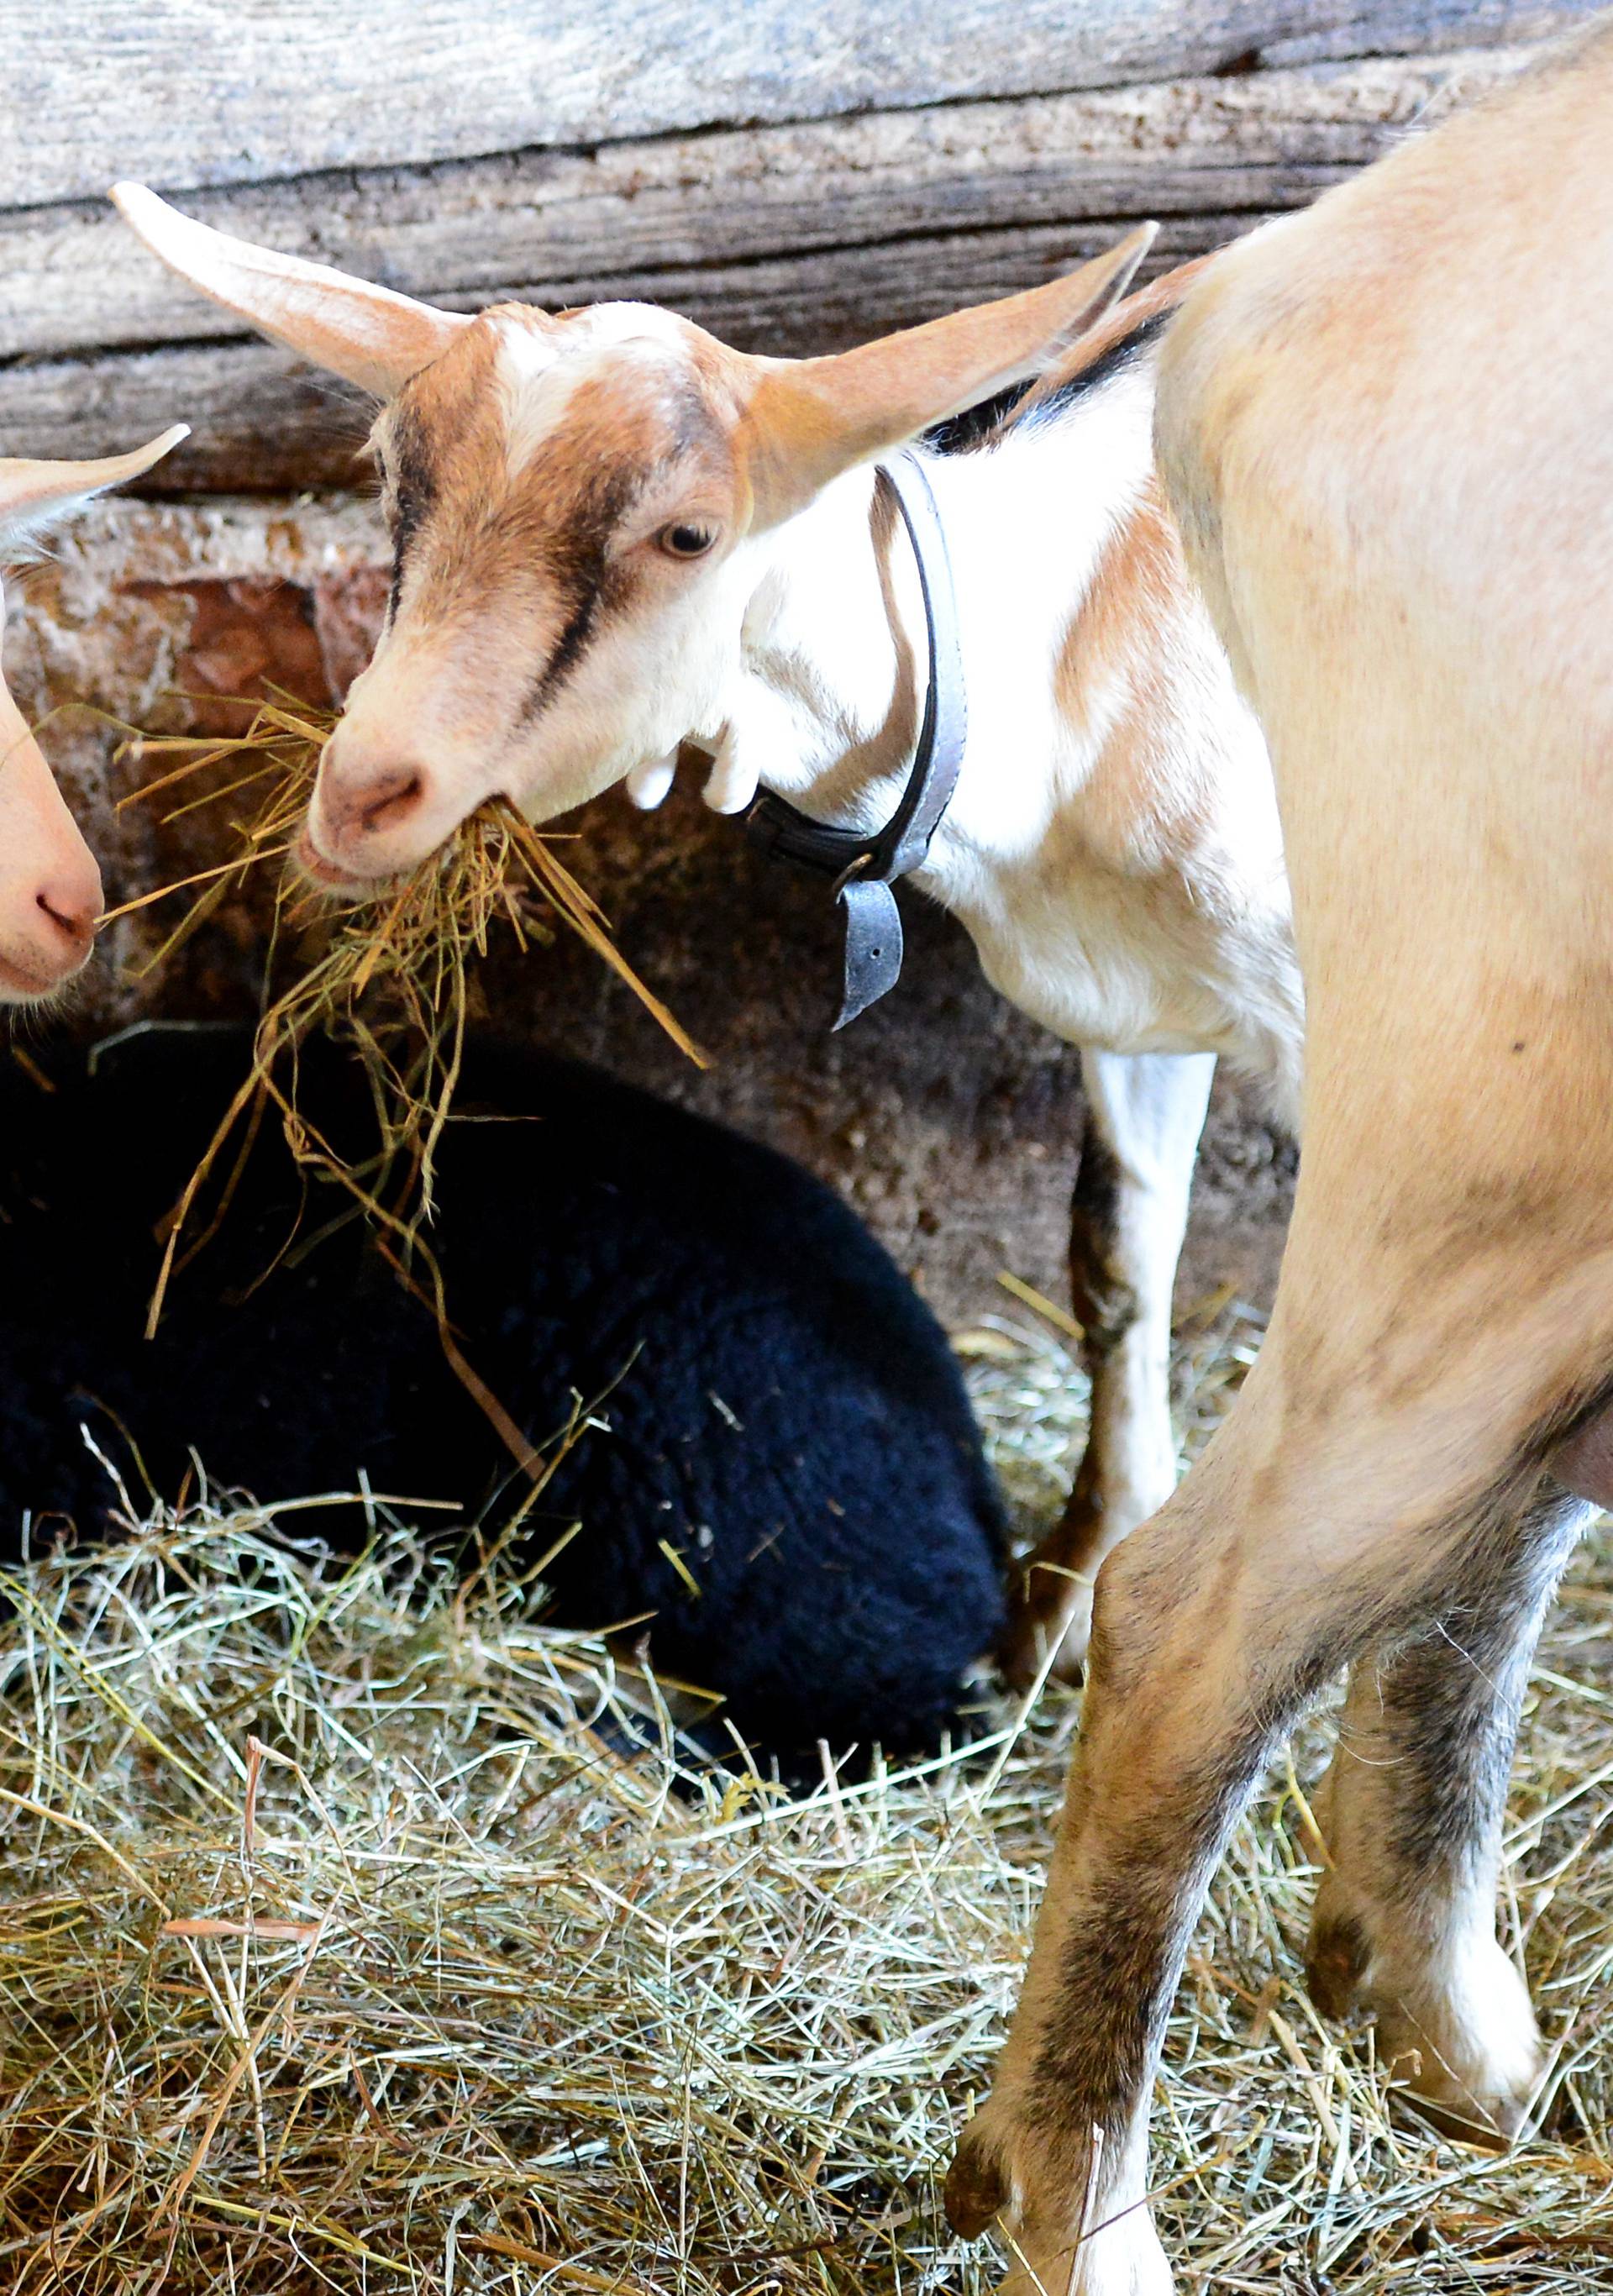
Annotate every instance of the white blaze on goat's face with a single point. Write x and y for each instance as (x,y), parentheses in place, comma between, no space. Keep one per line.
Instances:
(50,887)
(577,504)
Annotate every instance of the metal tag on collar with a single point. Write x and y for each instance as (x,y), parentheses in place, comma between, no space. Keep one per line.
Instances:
(873,944)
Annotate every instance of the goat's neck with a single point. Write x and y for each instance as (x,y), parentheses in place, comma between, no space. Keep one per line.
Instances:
(834,663)
(826,707)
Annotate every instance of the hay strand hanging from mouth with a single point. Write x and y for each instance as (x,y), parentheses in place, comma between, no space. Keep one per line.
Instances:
(393,979)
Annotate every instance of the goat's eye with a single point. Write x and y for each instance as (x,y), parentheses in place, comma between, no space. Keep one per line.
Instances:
(682,541)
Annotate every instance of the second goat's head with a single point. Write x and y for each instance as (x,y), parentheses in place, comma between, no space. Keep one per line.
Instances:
(50,887)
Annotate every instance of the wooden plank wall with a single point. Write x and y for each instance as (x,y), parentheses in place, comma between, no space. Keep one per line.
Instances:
(796,176)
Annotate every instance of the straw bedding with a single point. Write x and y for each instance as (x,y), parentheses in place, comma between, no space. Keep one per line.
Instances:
(341,1948)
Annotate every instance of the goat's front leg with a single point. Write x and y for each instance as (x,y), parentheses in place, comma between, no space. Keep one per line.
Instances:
(1411,1812)
(1182,1697)
(1214,1624)
(1144,1115)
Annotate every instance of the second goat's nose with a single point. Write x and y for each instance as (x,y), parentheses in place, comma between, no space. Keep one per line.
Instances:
(70,904)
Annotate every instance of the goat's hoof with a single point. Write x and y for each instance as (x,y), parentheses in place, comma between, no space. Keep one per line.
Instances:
(1492,2126)
(977,2187)
(1046,1610)
(1123,2257)
(1456,2029)
(1472,2078)
(1335,1963)
(1033,2186)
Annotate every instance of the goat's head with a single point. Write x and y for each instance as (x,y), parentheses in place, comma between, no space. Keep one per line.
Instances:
(49,888)
(575,504)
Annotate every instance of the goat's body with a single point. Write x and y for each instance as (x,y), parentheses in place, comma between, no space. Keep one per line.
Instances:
(1387,427)
(1414,589)
(779,1420)
(1113,847)
(1117,858)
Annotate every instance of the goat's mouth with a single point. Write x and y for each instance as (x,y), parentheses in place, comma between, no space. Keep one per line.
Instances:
(330,876)
(22,984)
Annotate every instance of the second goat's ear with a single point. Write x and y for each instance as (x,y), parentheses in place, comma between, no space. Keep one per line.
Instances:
(808,420)
(367,334)
(33,494)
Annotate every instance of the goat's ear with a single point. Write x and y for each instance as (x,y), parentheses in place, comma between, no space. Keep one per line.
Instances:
(32,494)
(808,420)
(367,334)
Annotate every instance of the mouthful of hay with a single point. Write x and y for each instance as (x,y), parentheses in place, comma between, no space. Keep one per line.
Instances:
(393,976)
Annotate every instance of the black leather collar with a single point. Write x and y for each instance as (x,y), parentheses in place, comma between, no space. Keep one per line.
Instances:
(863,867)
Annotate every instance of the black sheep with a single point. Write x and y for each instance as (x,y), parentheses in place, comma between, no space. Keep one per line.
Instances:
(786,1427)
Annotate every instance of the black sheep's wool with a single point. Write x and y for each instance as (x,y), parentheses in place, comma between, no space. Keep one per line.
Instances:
(786,1427)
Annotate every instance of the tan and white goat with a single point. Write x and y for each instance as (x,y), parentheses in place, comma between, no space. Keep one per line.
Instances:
(49,888)
(615,535)
(1387,431)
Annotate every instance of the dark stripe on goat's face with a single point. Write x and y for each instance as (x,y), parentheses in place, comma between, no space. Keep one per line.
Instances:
(569,649)
(523,556)
(588,586)
(414,492)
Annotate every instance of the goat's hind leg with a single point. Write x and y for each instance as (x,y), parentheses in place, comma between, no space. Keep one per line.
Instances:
(1411,1812)
(1144,1115)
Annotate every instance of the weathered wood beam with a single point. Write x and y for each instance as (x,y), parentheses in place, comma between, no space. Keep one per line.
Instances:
(790,238)
(183,93)
(72,277)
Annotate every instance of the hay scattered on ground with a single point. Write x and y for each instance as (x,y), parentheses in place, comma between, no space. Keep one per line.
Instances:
(443,1991)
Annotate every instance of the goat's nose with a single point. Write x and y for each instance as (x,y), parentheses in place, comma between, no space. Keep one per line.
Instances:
(68,904)
(375,802)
